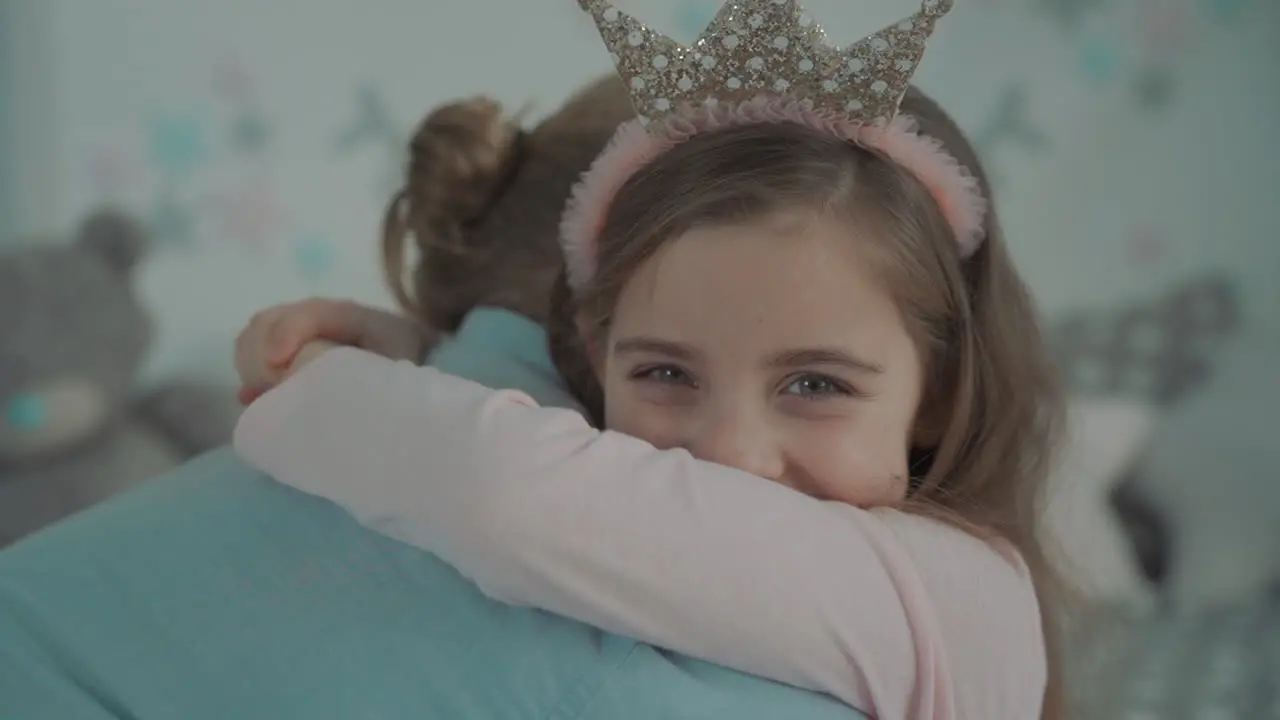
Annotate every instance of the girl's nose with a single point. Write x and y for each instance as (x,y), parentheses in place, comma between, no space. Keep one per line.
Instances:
(739,439)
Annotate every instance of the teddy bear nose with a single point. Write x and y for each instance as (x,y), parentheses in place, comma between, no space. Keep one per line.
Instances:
(25,412)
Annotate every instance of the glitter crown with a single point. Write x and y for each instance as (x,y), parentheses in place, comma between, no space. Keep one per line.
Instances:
(756,47)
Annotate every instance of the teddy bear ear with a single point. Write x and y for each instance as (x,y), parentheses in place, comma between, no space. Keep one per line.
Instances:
(116,237)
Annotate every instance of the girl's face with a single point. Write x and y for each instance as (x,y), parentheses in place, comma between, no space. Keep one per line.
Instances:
(771,348)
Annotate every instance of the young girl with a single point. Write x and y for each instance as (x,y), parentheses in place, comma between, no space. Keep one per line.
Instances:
(828,408)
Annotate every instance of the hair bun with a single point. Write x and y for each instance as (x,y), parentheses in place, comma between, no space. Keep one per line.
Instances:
(461,158)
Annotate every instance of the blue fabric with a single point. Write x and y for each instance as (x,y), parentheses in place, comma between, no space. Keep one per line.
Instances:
(501,349)
(217,593)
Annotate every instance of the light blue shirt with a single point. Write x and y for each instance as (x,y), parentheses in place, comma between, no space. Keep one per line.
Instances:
(502,349)
(216,593)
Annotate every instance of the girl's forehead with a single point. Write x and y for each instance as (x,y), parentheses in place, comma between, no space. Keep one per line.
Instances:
(797,276)
(788,253)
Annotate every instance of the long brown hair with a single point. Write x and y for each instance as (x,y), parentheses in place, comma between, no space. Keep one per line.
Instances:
(991,404)
(481,204)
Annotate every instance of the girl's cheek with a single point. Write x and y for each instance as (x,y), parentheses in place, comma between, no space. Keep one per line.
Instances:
(658,426)
(853,467)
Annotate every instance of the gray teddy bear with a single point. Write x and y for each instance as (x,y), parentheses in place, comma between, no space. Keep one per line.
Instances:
(73,336)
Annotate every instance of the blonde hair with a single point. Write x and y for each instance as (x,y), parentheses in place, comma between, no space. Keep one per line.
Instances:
(481,204)
(991,399)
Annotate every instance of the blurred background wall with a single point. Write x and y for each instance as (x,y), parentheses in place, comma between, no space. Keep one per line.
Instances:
(7,96)
(1130,137)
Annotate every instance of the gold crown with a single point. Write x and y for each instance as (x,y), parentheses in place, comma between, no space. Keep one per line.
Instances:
(755,47)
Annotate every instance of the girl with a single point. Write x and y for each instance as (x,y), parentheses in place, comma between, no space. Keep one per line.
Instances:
(828,405)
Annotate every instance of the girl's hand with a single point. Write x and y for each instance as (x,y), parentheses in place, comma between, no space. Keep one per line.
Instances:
(267,349)
(309,352)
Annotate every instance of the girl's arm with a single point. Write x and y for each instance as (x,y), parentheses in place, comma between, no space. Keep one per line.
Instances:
(896,615)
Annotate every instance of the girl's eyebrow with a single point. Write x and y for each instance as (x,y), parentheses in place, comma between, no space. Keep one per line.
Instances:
(791,358)
(641,344)
(800,357)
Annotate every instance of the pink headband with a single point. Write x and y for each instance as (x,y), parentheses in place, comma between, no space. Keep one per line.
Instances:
(635,144)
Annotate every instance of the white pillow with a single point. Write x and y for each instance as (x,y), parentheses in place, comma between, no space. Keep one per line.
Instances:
(1083,533)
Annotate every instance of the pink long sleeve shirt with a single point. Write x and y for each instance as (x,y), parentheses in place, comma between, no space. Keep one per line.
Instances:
(896,615)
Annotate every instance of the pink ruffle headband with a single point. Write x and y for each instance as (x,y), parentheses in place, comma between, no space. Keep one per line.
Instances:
(635,145)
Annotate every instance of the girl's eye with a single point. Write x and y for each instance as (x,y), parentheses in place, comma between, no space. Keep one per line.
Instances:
(665,374)
(816,387)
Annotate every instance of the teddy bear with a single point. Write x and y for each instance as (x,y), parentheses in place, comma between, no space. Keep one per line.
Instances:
(1211,476)
(74,430)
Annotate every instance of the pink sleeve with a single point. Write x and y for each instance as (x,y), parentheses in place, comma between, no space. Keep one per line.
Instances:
(897,615)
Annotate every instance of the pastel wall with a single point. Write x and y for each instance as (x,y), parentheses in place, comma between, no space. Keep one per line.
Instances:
(1132,138)
(26,93)
(6,111)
